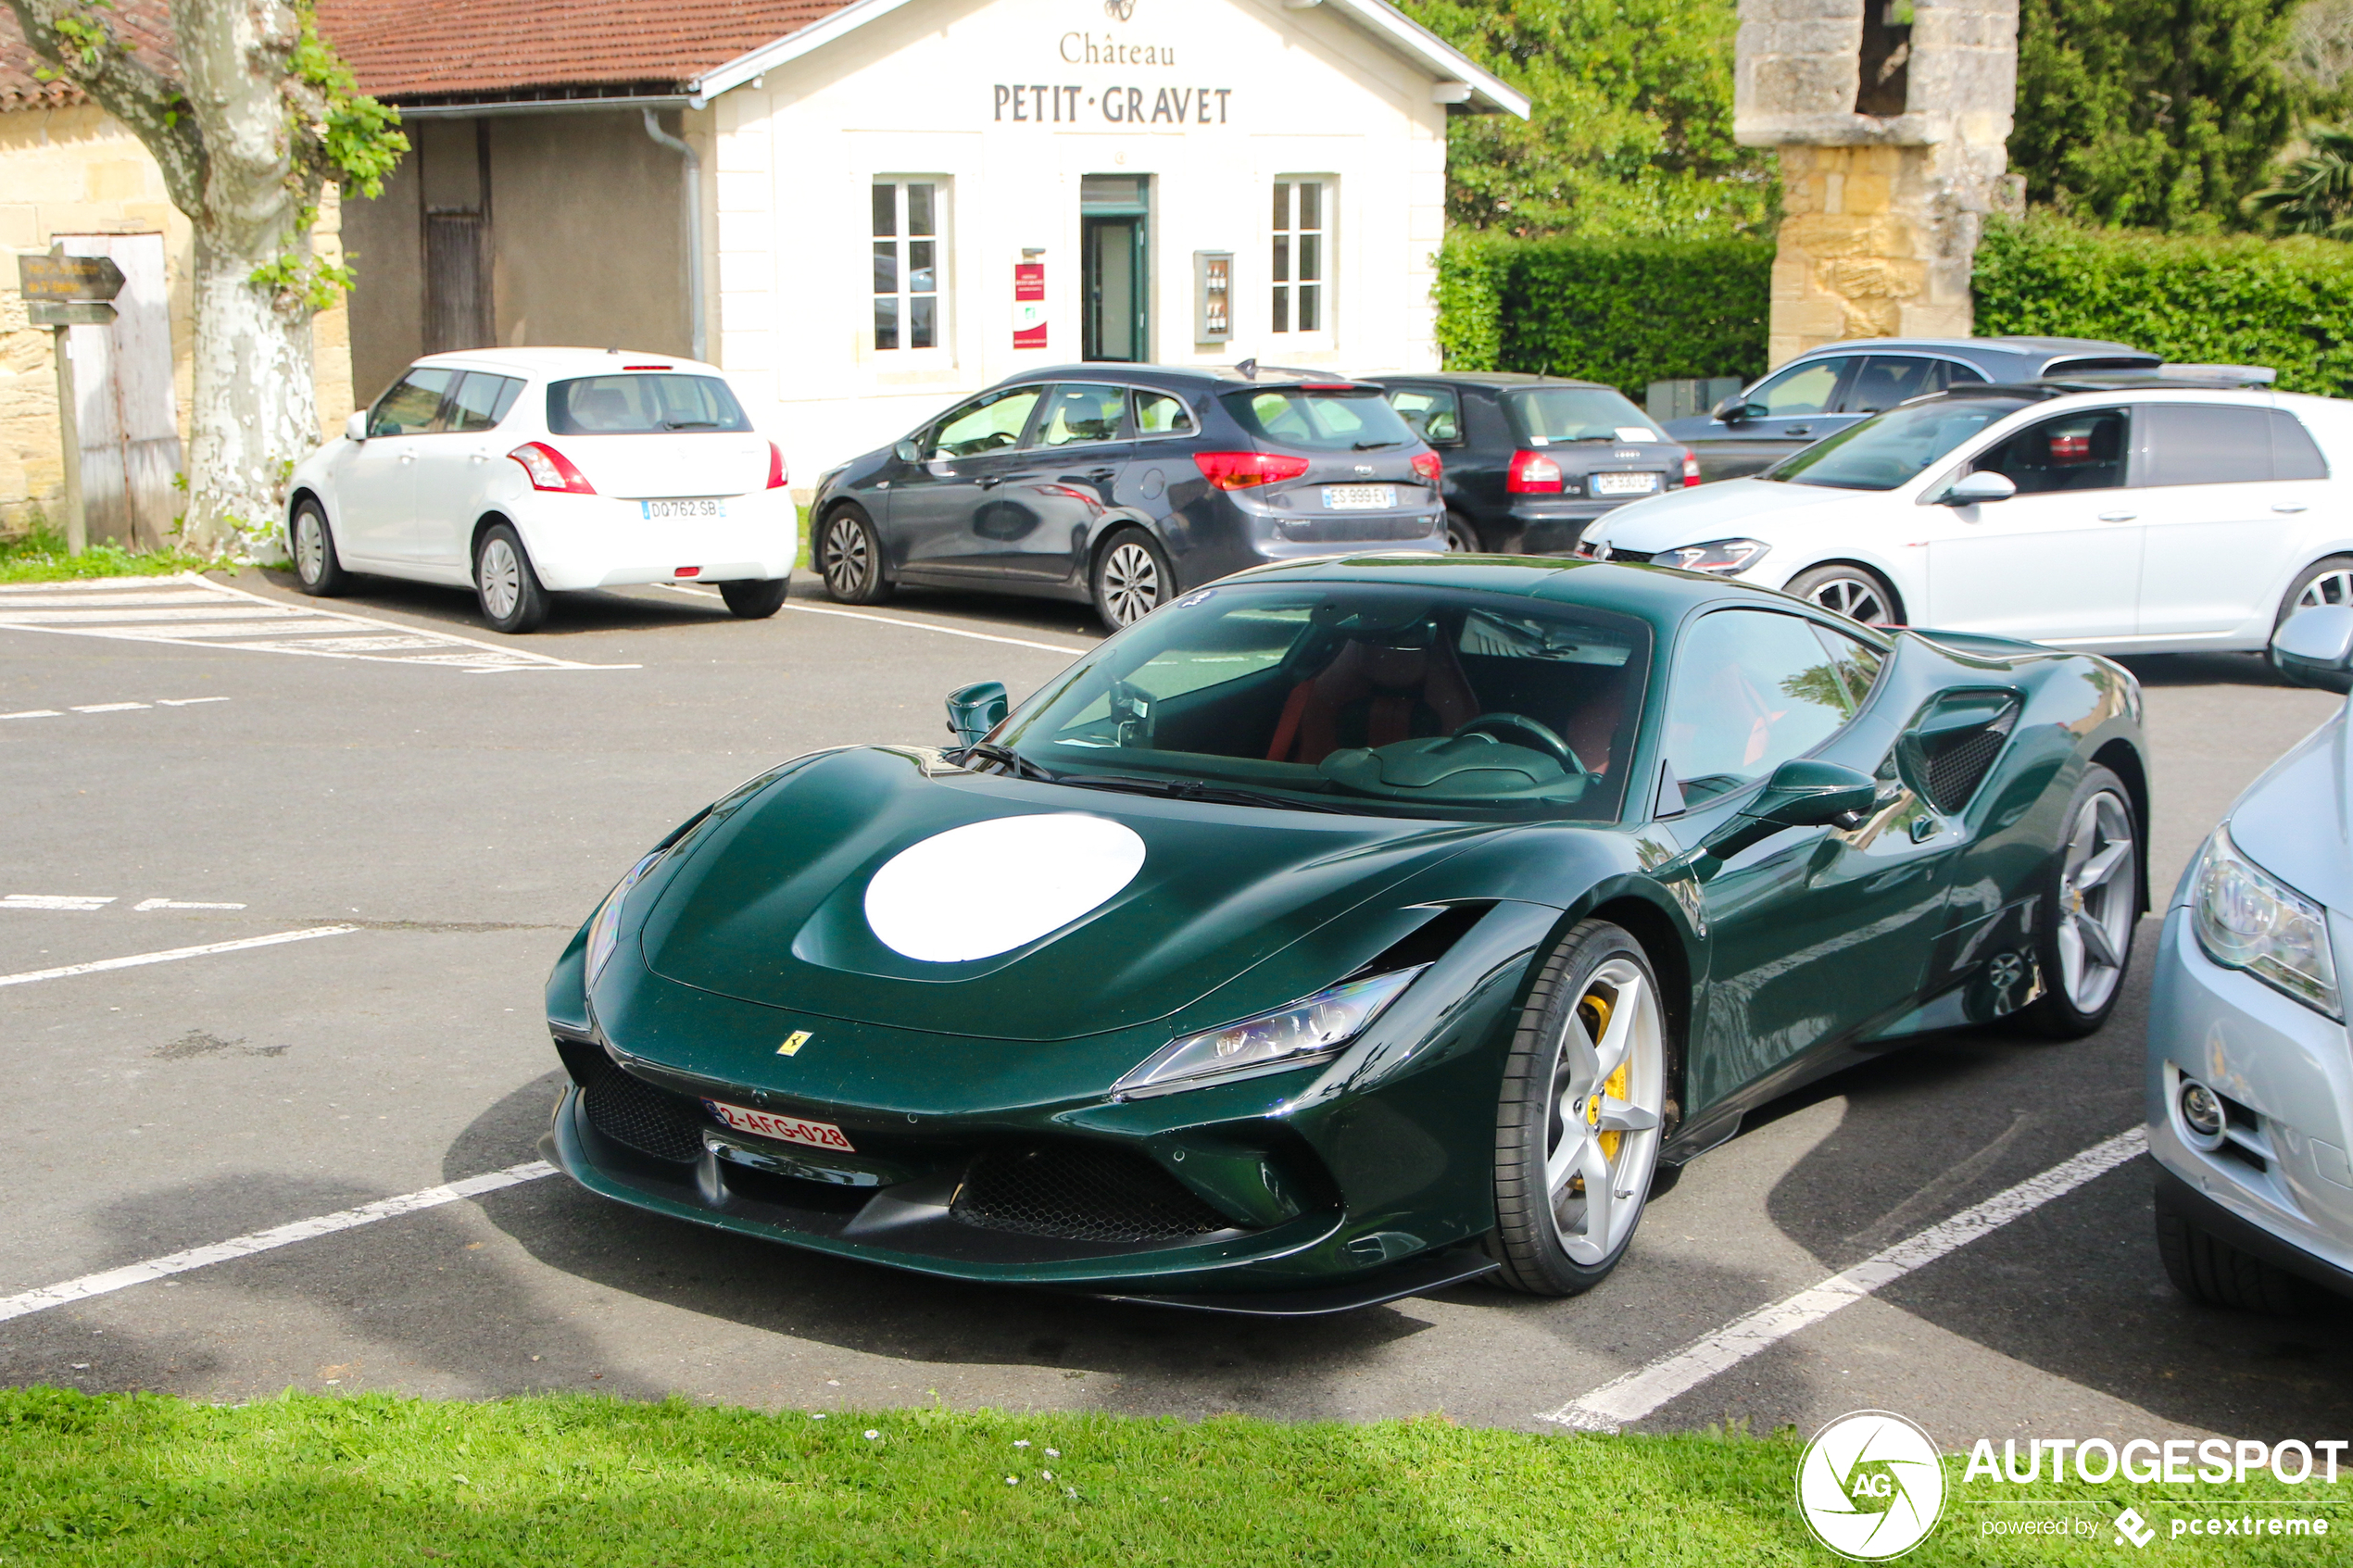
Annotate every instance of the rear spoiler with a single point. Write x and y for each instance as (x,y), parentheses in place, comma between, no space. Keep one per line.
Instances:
(2243,375)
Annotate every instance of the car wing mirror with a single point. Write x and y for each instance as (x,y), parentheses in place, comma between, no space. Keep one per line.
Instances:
(974,710)
(1731,411)
(2314,647)
(1801,793)
(1973,488)
(354,429)
(908,452)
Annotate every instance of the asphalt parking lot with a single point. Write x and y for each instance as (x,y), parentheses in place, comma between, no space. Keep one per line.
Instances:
(436,822)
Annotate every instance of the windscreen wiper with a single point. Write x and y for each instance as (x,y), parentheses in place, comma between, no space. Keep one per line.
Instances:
(690,424)
(1010,760)
(1188,789)
(1376,445)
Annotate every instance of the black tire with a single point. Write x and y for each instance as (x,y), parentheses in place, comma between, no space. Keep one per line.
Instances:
(1461,538)
(2328,580)
(850,557)
(756,598)
(2206,1268)
(1549,1238)
(506,584)
(317,569)
(2112,905)
(1132,578)
(1856,592)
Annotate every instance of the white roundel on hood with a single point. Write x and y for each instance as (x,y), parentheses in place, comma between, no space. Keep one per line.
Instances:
(989,887)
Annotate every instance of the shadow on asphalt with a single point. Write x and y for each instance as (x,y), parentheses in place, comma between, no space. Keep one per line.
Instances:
(2203,670)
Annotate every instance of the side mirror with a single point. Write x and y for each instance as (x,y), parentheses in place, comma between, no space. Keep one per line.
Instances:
(907,451)
(1973,488)
(2314,647)
(1801,793)
(976,709)
(354,429)
(1732,412)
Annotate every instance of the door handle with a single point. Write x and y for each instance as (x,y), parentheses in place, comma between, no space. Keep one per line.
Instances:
(2290,507)
(1099,475)
(991,482)
(1801,430)
(408,457)
(2118,517)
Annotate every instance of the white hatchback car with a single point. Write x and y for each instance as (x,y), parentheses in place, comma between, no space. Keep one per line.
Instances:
(2145,516)
(526,471)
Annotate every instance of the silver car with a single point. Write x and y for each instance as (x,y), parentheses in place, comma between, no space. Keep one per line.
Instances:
(2250,1069)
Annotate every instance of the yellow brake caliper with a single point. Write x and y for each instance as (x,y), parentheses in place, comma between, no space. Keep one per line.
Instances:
(1596,1009)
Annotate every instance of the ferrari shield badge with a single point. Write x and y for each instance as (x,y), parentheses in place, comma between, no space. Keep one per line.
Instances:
(793,1042)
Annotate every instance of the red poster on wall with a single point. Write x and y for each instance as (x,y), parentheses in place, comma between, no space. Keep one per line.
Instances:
(1029,304)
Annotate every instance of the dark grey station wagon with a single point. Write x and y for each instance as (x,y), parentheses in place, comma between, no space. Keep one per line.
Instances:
(1126,485)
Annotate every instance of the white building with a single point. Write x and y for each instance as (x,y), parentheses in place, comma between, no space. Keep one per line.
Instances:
(882,205)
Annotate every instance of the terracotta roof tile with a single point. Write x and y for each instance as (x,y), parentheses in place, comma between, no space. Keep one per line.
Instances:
(147,24)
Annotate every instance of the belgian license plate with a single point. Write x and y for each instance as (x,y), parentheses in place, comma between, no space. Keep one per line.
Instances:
(1625,484)
(1359,497)
(692,506)
(784,1129)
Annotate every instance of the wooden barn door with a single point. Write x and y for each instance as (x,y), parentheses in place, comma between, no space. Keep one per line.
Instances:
(123,399)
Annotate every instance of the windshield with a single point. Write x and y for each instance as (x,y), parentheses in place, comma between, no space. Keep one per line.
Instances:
(1893,448)
(1319,421)
(1385,699)
(1551,414)
(642,405)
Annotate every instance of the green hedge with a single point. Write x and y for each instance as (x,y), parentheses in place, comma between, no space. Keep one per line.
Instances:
(2239,300)
(1627,312)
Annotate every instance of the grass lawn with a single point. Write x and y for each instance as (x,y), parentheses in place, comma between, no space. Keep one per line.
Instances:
(374,1479)
(40,556)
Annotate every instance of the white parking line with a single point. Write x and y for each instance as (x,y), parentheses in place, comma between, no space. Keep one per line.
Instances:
(1640,1392)
(173,954)
(246,1246)
(80,901)
(194,611)
(699,592)
(146,904)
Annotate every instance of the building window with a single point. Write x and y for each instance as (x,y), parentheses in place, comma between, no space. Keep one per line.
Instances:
(910,234)
(1302,274)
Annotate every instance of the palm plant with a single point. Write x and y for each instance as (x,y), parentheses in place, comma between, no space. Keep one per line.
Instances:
(2316,196)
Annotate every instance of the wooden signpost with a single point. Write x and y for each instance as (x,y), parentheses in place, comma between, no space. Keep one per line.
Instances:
(62,292)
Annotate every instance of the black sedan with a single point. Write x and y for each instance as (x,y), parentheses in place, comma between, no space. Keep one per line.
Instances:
(1126,485)
(1531,459)
(1825,389)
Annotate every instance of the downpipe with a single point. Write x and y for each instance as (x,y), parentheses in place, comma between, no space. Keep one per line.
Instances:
(694,229)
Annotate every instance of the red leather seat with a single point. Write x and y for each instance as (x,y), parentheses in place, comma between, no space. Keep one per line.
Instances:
(1372,694)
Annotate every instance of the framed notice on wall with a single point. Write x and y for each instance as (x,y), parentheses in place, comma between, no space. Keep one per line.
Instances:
(1029,304)
(1213,295)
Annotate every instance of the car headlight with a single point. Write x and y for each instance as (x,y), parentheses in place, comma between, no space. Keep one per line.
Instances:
(1722,557)
(1306,1031)
(2248,918)
(604,932)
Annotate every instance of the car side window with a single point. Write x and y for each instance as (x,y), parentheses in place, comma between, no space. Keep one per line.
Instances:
(1856,664)
(985,424)
(482,400)
(1886,380)
(2293,454)
(1079,413)
(2082,450)
(1810,388)
(2206,444)
(410,407)
(1434,412)
(1157,413)
(1752,689)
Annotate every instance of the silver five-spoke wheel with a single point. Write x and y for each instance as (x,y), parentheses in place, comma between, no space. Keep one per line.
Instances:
(847,561)
(1131,584)
(2097,903)
(1602,1123)
(500,577)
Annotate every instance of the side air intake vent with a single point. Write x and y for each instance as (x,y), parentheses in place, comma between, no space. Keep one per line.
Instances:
(1082,1192)
(1955,742)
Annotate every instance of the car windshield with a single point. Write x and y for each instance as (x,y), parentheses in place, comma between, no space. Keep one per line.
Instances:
(1312,421)
(1550,414)
(1892,448)
(1385,699)
(642,405)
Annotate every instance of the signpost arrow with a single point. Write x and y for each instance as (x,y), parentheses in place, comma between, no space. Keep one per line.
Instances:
(75,313)
(67,278)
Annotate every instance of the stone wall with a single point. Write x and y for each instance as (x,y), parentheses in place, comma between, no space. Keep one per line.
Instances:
(76,171)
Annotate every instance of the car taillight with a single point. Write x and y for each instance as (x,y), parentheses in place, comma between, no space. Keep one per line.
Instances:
(551,469)
(1430,468)
(1691,467)
(1244,470)
(775,467)
(1532,473)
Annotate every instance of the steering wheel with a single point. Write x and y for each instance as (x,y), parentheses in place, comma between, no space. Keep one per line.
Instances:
(1547,739)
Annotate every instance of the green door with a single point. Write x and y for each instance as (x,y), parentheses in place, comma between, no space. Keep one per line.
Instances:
(1115,257)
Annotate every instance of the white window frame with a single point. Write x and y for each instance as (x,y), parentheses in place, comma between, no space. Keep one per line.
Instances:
(1285,254)
(940,239)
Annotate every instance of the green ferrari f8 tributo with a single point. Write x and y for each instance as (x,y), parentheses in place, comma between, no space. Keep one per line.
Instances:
(1347,929)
